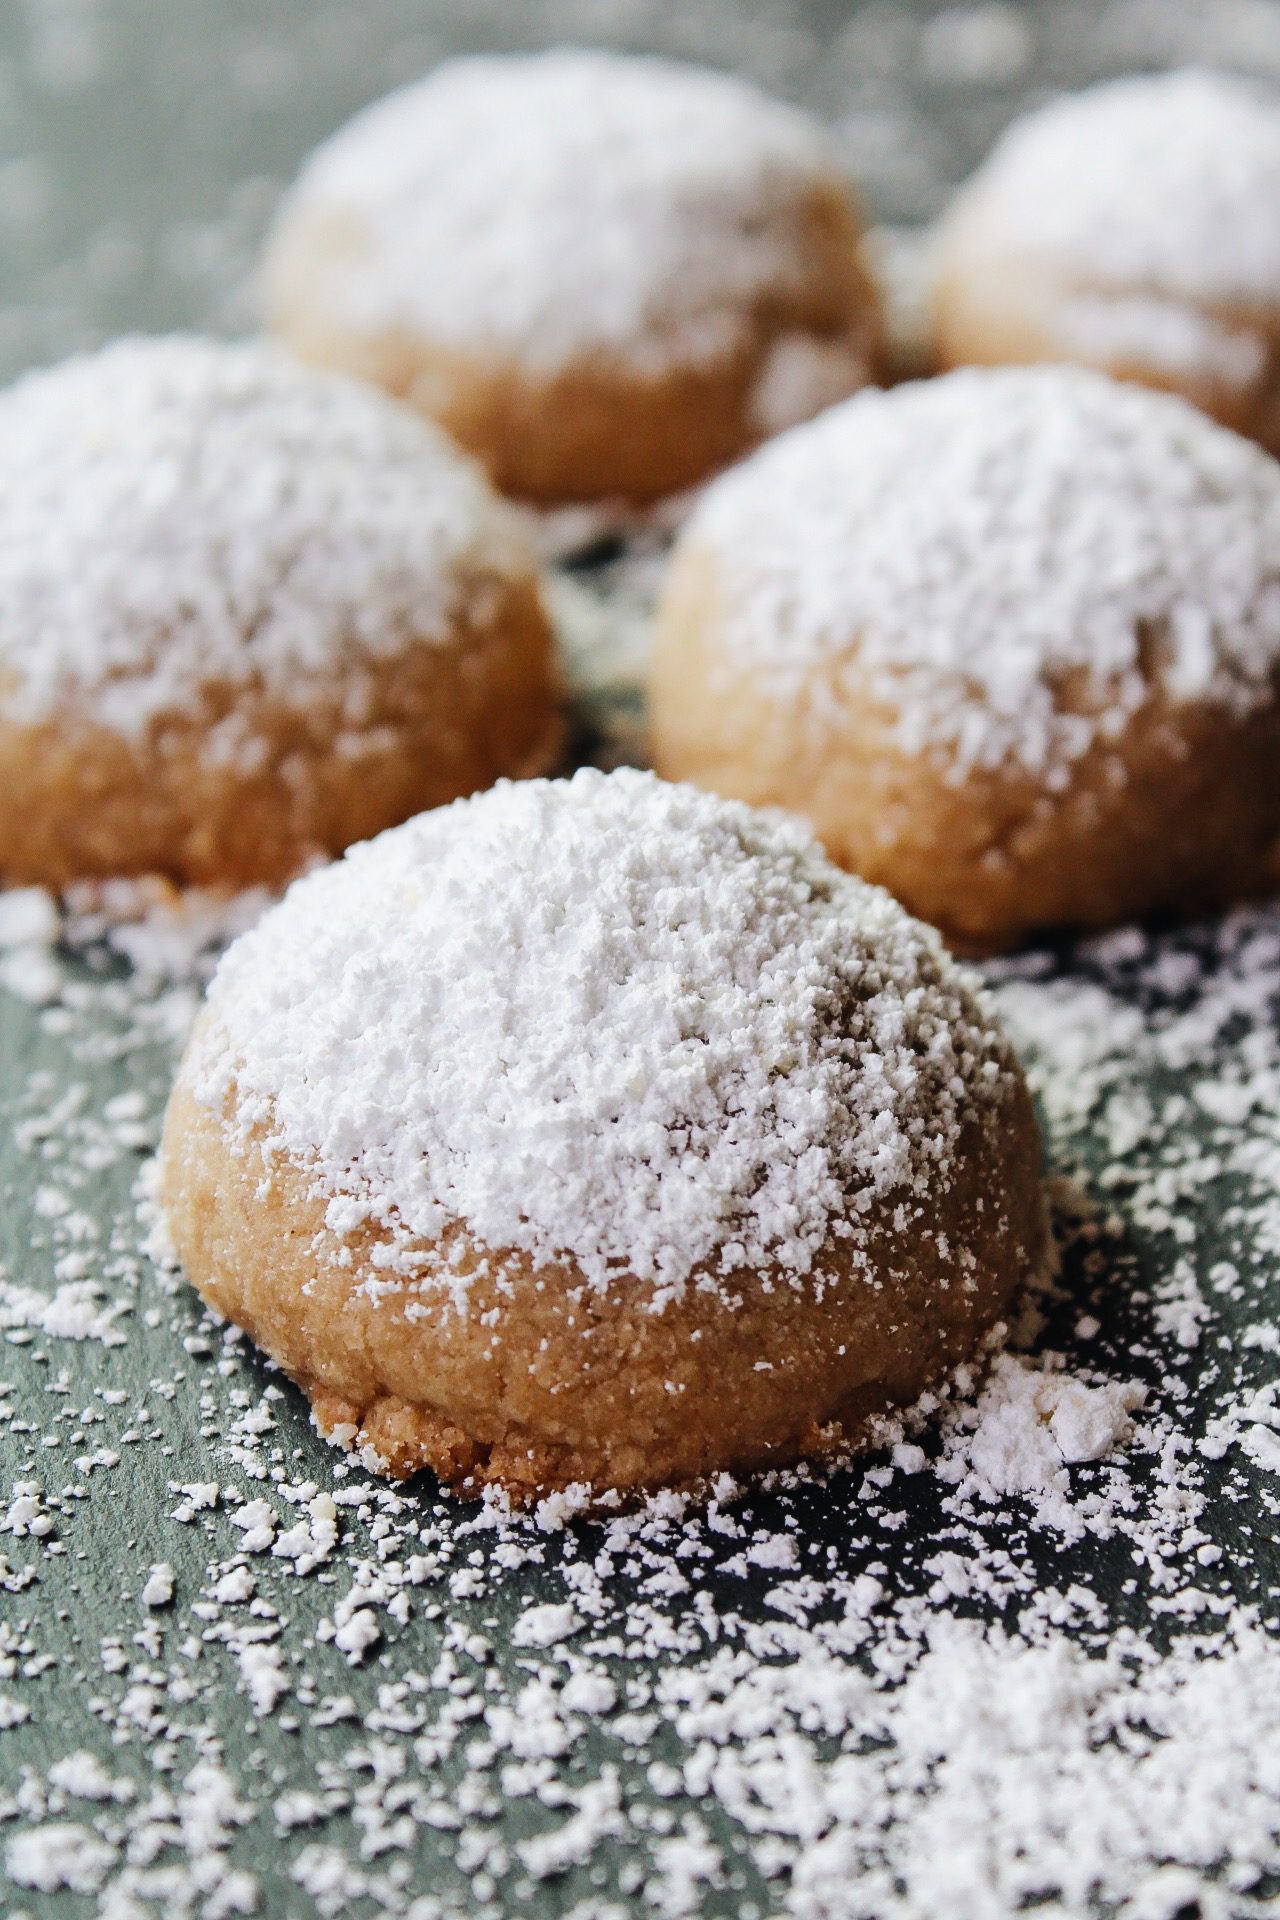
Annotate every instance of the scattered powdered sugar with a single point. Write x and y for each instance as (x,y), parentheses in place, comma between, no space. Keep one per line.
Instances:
(1087,1772)
(28,917)
(178,515)
(569,203)
(607,1019)
(164,932)
(30,925)
(77,1310)
(1166,183)
(962,548)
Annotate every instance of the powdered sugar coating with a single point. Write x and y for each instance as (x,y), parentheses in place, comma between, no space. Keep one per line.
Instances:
(964,549)
(1167,183)
(1165,335)
(178,513)
(608,1019)
(569,203)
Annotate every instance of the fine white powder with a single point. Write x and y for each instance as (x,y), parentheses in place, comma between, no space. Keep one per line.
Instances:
(609,1019)
(177,514)
(569,203)
(1010,560)
(1166,183)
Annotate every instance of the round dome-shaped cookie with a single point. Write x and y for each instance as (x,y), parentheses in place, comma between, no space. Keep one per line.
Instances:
(1134,228)
(606,276)
(1009,638)
(599,1131)
(249,613)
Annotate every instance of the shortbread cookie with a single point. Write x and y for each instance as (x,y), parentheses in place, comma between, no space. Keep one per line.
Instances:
(599,1131)
(1134,228)
(249,613)
(606,276)
(1010,639)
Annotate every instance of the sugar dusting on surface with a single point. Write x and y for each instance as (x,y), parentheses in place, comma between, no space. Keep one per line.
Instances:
(1164,184)
(1006,1659)
(961,549)
(178,515)
(608,1019)
(570,204)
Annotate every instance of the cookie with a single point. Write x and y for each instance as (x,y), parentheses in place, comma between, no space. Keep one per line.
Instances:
(599,1132)
(249,613)
(1010,639)
(1134,228)
(605,276)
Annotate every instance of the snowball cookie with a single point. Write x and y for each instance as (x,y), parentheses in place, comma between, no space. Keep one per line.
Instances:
(1136,228)
(606,276)
(1009,638)
(248,613)
(599,1131)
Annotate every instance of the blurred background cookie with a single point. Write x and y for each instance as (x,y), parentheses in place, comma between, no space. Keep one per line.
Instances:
(248,613)
(1134,227)
(1010,639)
(606,276)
